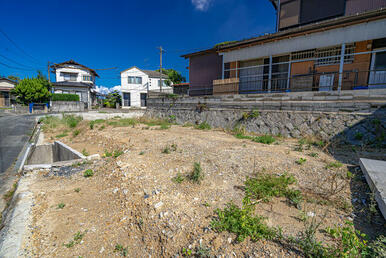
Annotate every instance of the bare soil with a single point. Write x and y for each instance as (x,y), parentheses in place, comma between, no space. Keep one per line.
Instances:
(131,200)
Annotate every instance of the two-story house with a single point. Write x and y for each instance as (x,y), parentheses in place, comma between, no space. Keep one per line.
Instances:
(328,45)
(74,78)
(136,83)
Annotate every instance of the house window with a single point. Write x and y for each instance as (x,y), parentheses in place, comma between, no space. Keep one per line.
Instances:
(87,78)
(331,55)
(163,83)
(134,80)
(70,76)
(289,13)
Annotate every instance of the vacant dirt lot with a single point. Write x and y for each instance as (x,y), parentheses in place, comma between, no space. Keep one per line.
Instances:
(132,200)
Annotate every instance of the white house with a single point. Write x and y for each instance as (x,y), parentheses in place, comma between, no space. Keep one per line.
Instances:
(135,84)
(74,78)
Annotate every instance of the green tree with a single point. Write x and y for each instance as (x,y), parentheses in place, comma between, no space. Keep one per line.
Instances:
(173,76)
(113,98)
(32,90)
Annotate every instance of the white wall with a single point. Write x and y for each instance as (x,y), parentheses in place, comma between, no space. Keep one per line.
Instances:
(136,89)
(74,69)
(6,84)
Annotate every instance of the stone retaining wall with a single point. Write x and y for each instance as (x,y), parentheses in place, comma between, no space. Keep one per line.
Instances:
(67,106)
(361,120)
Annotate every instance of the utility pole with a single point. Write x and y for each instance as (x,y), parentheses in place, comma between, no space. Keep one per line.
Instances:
(161,51)
(48,72)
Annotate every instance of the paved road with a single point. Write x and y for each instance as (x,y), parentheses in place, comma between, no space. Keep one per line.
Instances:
(14,133)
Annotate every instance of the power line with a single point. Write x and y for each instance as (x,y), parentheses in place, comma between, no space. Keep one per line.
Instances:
(17,68)
(15,62)
(17,46)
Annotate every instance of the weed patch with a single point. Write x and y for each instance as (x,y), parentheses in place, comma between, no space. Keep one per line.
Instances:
(300,161)
(88,173)
(196,175)
(75,133)
(61,135)
(242,222)
(76,240)
(60,205)
(203,126)
(336,164)
(123,251)
(178,178)
(85,153)
(264,187)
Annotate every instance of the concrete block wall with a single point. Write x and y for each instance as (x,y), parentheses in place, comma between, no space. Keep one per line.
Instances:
(67,106)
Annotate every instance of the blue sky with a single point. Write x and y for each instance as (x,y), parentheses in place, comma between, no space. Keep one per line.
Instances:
(116,33)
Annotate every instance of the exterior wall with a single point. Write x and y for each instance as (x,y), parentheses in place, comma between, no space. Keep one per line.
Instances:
(135,90)
(74,69)
(203,69)
(355,33)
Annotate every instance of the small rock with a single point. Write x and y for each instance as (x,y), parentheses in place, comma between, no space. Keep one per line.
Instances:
(311,214)
(102,250)
(115,190)
(158,205)
(229,240)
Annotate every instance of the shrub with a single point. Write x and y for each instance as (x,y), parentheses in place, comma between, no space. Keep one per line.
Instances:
(65,97)
(196,176)
(241,222)
(377,248)
(88,173)
(203,126)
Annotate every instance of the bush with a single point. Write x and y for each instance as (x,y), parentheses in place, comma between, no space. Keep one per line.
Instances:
(266,139)
(64,97)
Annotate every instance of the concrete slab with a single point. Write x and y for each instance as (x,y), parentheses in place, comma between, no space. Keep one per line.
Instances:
(375,173)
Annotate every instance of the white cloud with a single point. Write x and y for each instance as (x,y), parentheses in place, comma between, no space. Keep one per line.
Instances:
(201,5)
(105,90)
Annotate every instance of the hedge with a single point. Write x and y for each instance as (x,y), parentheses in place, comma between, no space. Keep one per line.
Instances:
(65,97)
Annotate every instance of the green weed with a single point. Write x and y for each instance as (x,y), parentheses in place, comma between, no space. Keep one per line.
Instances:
(313,154)
(88,173)
(301,161)
(196,175)
(75,133)
(178,178)
(85,153)
(117,153)
(123,251)
(242,222)
(60,205)
(61,135)
(77,190)
(77,238)
(203,126)
(107,154)
(336,164)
